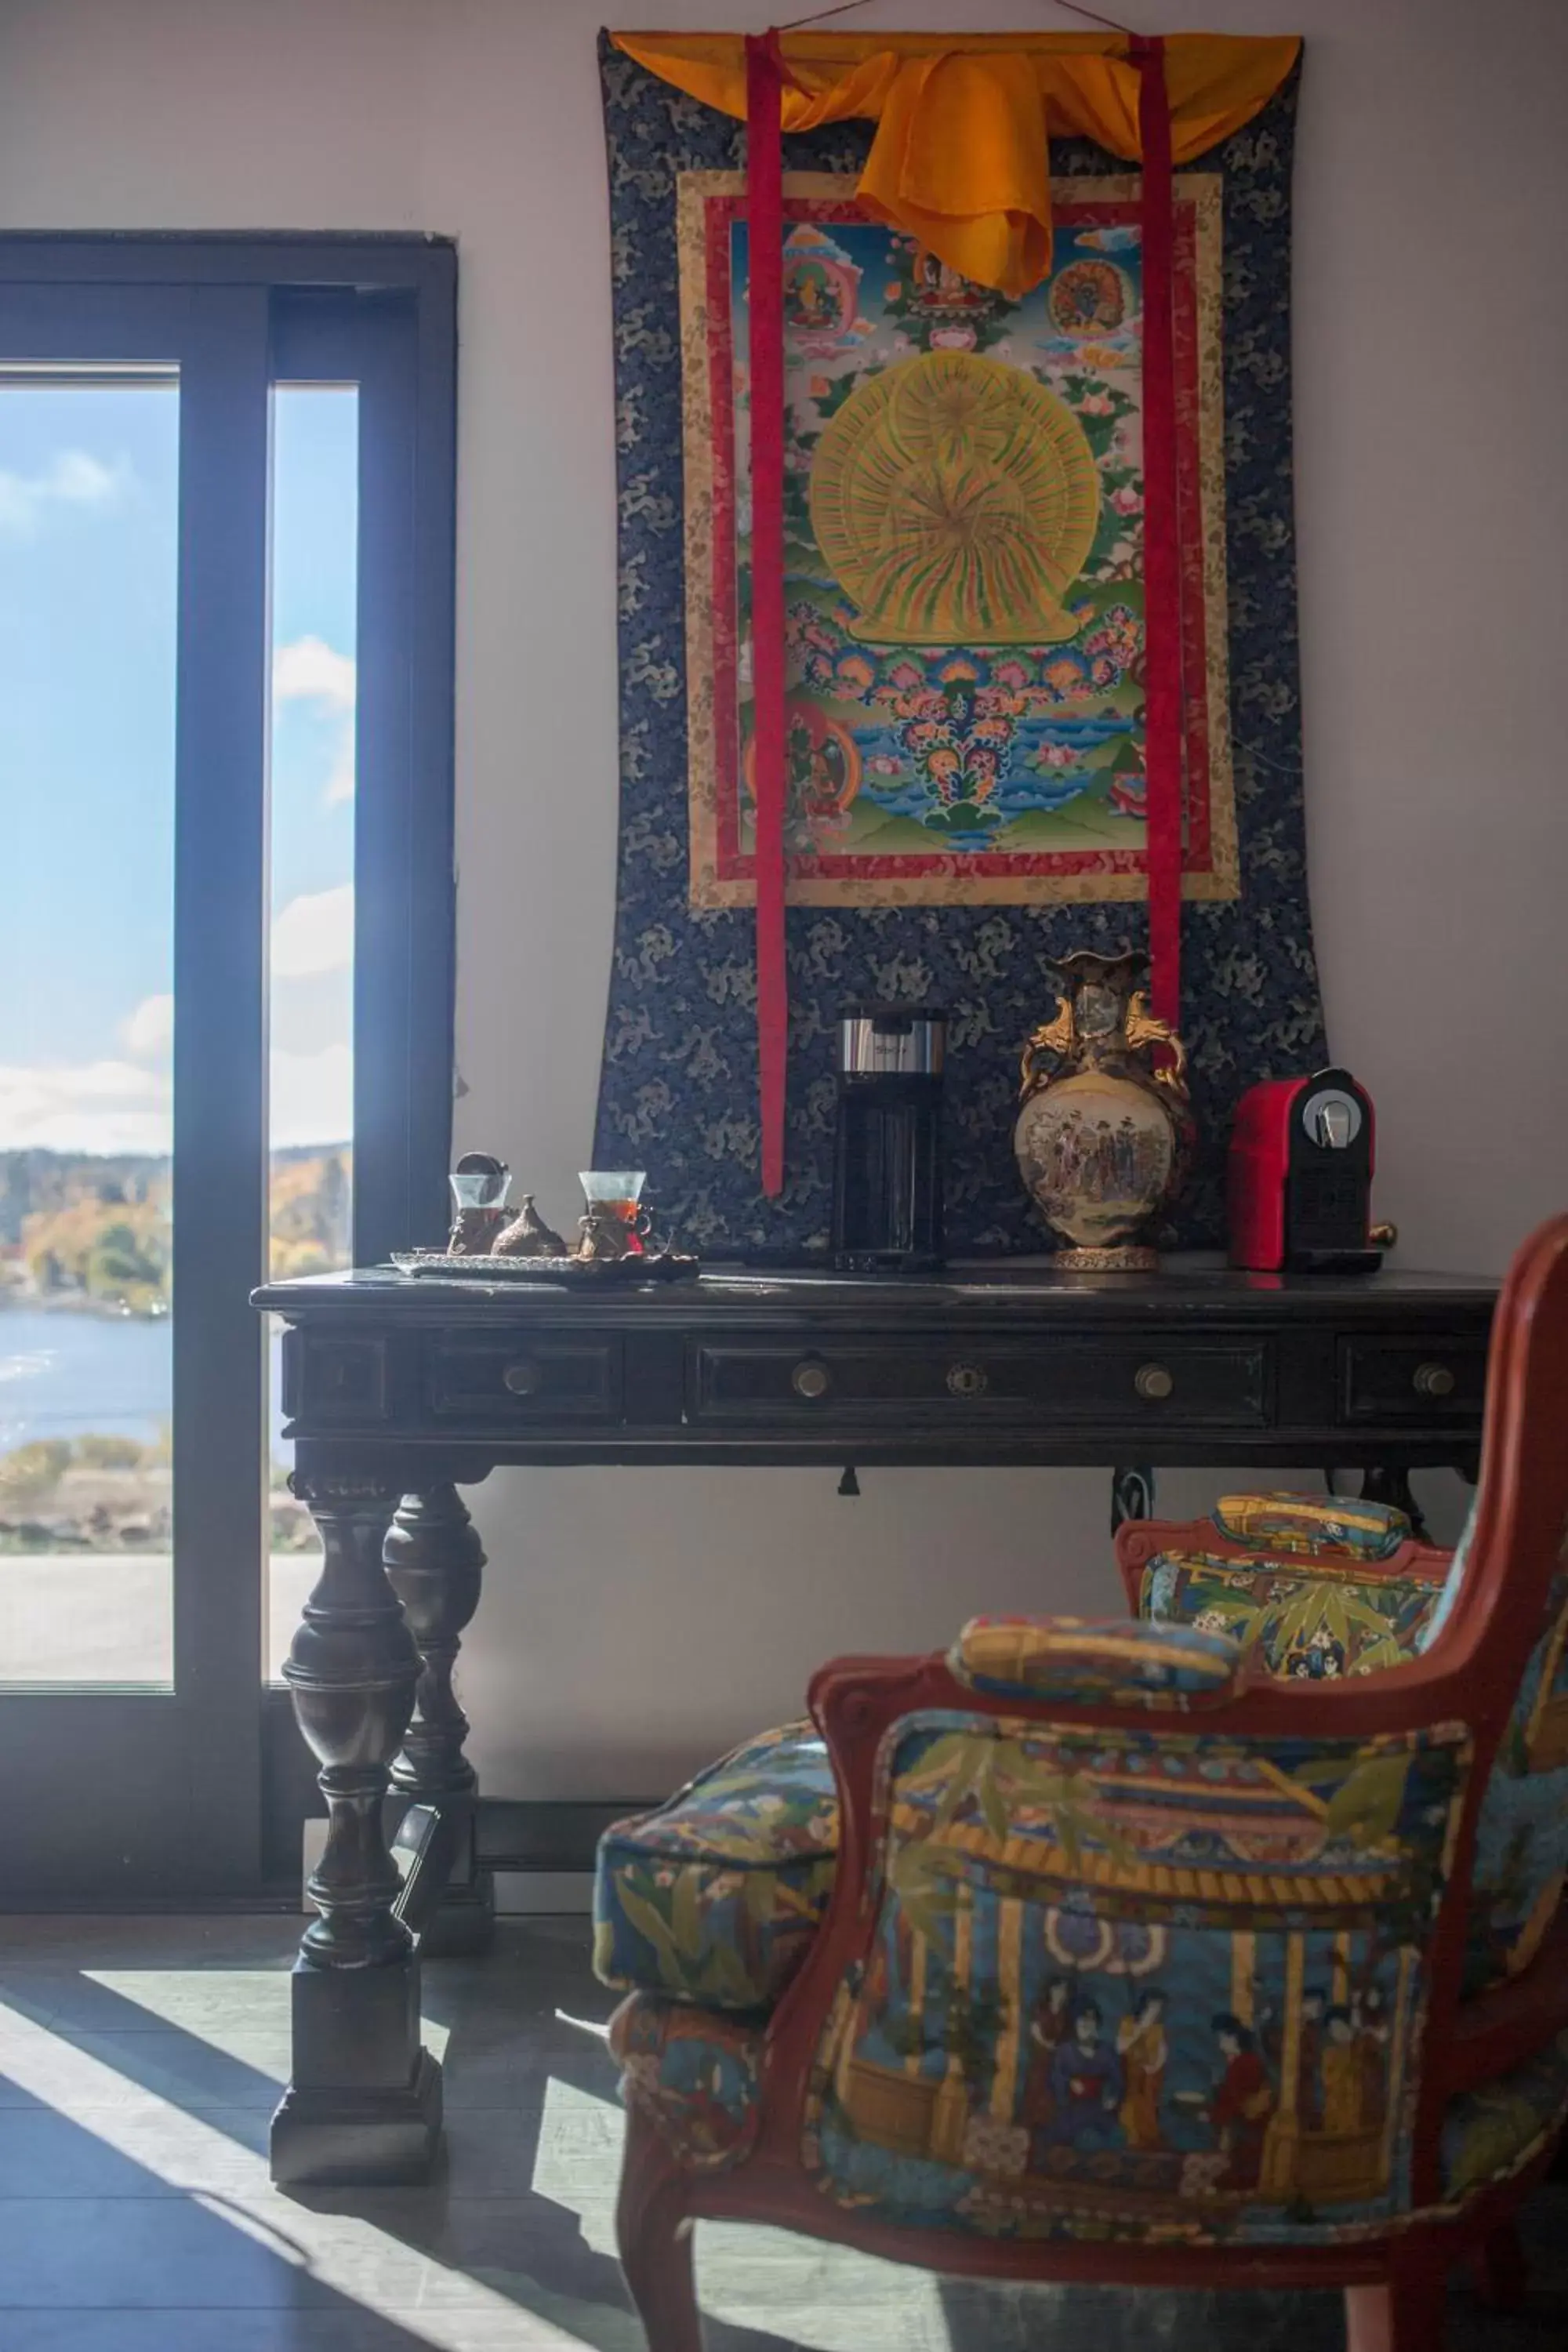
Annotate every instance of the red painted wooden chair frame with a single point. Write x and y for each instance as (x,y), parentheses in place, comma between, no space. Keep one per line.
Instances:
(1394,2286)
(1138,1540)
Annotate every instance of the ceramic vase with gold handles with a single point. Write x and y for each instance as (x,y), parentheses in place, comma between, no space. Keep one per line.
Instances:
(1105,1128)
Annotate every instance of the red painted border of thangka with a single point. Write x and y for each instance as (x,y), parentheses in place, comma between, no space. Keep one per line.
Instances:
(719,214)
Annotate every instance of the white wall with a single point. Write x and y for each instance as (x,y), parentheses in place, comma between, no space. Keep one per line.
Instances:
(633,1622)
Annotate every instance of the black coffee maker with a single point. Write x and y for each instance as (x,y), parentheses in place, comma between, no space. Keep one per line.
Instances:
(887,1167)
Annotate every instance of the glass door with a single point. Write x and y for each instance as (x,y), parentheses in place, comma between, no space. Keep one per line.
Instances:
(227,504)
(89,498)
(134,426)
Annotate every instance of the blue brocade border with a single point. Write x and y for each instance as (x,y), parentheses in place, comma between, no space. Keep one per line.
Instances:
(678,1085)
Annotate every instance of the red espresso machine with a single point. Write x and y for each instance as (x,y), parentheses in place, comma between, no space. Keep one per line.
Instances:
(1301,1158)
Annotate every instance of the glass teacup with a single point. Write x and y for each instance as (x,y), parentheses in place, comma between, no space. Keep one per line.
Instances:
(479,1186)
(617,1192)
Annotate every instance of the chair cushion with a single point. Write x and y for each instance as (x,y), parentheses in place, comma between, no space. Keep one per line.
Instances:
(1315,1624)
(1342,1526)
(716,1896)
(1073,1663)
(694,2073)
(1491,2131)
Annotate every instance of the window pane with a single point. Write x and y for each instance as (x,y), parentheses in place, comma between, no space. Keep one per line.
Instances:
(315,526)
(89,514)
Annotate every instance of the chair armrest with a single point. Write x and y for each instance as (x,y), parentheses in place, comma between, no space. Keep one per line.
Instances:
(1074,1662)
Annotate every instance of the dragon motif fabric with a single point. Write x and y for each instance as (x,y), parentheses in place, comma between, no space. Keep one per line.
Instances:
(960,813)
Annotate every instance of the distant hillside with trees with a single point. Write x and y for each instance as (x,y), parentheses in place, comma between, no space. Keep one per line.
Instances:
(97,1225)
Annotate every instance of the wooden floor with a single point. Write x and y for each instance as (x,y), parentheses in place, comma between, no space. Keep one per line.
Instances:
(139,2061)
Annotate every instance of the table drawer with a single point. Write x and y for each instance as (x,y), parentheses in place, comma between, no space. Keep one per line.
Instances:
(950,1380)
(1431,1381)
(519,1377)
(333,1377)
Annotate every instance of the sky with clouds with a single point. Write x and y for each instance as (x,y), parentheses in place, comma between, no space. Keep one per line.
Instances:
(88,518)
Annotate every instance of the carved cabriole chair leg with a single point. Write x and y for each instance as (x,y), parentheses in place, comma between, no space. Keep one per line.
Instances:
(1404,2313)
(653,2233)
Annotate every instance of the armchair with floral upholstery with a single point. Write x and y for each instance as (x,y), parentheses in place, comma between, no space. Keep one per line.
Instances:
(1224,1945)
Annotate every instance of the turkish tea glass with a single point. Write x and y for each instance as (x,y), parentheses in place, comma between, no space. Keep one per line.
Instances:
(618,1192)
(480,1184)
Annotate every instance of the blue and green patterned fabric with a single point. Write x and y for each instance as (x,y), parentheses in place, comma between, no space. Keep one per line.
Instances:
(716,1896)
(1491,2132)
(1073,1663)
(1336,1525)
(1306,1623)
(1146,1985)
(694,2072)
(1150,1985)
(1326,1620)
(1520,1865)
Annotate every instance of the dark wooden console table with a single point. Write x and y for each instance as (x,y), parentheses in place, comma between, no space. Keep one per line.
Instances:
(397,1393)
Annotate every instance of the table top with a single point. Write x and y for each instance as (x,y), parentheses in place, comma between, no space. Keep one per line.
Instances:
(1195,1285)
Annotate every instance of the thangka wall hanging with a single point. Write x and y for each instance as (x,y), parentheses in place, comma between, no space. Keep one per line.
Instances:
(974,635)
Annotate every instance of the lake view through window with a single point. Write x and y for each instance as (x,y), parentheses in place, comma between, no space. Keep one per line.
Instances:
(89,520)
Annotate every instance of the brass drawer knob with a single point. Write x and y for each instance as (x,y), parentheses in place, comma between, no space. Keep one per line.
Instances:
(811,1380)
(1153,1383)
(522,1380)
(1433,1380)
(968,1380)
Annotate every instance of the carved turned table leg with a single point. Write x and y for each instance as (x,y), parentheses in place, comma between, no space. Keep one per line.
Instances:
(365,2102)
(435,1561)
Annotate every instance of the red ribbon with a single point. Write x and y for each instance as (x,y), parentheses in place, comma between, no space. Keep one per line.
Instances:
(1162,552)
(764,214)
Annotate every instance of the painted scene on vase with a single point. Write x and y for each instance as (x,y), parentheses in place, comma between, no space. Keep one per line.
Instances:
(1096,1154)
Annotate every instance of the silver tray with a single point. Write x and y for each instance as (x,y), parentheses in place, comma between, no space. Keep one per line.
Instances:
(632,1270)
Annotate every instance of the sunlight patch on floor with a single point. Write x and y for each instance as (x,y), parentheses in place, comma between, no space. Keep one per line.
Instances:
(800,2290)
(226,2009)
(350,2255)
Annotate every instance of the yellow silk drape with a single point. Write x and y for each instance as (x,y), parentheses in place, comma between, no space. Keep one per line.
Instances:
(961,157)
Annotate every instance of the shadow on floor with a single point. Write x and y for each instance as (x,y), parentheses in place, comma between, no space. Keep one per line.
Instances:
(140,2061)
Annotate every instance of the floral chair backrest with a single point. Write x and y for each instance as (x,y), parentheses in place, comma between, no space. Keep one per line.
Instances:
(1144,1983)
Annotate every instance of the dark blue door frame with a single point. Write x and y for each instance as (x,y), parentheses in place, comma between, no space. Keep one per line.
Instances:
(119,1798)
